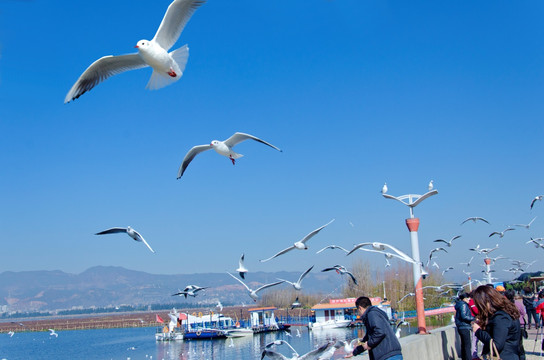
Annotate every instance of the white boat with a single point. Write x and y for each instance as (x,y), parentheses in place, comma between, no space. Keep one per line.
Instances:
(329,324)
(169,336)
(238,332)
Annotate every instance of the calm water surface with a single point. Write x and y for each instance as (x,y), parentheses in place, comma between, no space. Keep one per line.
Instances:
(139,343)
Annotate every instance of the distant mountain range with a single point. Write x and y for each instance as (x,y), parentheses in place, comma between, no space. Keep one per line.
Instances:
(104,286)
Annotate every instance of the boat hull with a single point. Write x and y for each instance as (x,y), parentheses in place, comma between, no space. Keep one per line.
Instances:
(329,324)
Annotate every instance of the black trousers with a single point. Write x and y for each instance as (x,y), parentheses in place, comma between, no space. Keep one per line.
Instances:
(532,313)
(466,344)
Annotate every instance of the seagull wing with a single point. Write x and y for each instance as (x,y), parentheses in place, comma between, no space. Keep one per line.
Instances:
(352,277)
(190,156)
(325,248)
(239,137)
(102,69)
(441,240)
(273,355)
(268,285)
(455,238)
(143,240)
(494,233)
(280,253)
(241,262)
(304,274)
(358,246)
(482,219)
(240,281)
(177,15)
(112,231)
(314,354)
(328,269)
(313,233)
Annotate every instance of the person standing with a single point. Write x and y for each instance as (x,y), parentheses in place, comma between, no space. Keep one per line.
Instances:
(379,339)
(463,318)
(529,303)
(497,320)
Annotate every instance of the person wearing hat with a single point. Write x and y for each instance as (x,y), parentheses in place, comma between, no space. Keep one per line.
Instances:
(463,318)
(500,288)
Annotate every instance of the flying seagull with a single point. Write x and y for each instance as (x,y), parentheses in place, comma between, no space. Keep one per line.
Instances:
(296,304)
(449,243)
(298,284)
(332,247)
(222,148)
(501,233)
(53,333)
(219,305)
(300,245)
(311,355)
(469,262)
(241,268)
(190,290)
(167,66)
(527,226)
(488,250)
(447,269)
(342,271)
(536,243)
(433,251)
(539,198)
(253,293)
(476,218)
(130,232)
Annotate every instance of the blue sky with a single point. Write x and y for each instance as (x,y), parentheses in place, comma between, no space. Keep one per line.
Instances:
(355,92)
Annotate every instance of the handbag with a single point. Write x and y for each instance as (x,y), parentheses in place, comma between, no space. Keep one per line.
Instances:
(493,352)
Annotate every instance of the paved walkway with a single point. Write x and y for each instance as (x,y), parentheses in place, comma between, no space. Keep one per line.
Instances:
(530,344)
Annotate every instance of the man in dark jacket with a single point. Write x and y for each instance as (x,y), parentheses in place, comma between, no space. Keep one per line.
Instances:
(379,339)
(463,318)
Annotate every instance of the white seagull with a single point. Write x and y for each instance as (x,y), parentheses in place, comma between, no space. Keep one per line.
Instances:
(190,290)
(449,243)
(342,271)
(469,262)
(222,148)
(431,185)
(536,243)
(384,188)
(501,233)
(300,245)
(332,247)
(219,305)
(167,66)
(11,333)
(527,226)
(298,284)
(475,218)
(130,232)
(241,268)
(296,304)
(447,269)
(537,198)
(253,293)
(53,333)
(311,355)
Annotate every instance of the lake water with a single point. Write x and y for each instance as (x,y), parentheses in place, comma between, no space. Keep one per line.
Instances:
(139,343)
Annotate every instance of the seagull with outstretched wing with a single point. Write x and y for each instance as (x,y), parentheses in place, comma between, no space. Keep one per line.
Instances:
(501,233)
(332,247)
(474,219)
(222,148)
(537,198)
(253,293)
(449,243)
(130,232)
(167,66)
(342,271)
(527,226)
(298,284)
(300,245)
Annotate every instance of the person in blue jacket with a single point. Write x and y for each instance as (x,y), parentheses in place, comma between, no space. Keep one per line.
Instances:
(379,339)
(463,318)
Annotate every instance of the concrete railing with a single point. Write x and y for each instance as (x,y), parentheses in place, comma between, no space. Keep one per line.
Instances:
(441,344)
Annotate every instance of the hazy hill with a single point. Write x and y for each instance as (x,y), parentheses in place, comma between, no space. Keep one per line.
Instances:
(103,286)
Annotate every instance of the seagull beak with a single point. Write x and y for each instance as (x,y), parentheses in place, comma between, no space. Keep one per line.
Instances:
(136,46)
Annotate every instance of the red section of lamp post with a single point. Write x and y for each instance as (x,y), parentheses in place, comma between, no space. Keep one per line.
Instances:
(413,226)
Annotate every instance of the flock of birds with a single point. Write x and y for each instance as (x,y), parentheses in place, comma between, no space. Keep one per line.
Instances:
(167,68)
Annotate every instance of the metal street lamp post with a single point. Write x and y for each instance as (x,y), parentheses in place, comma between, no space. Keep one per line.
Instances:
(413,224)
